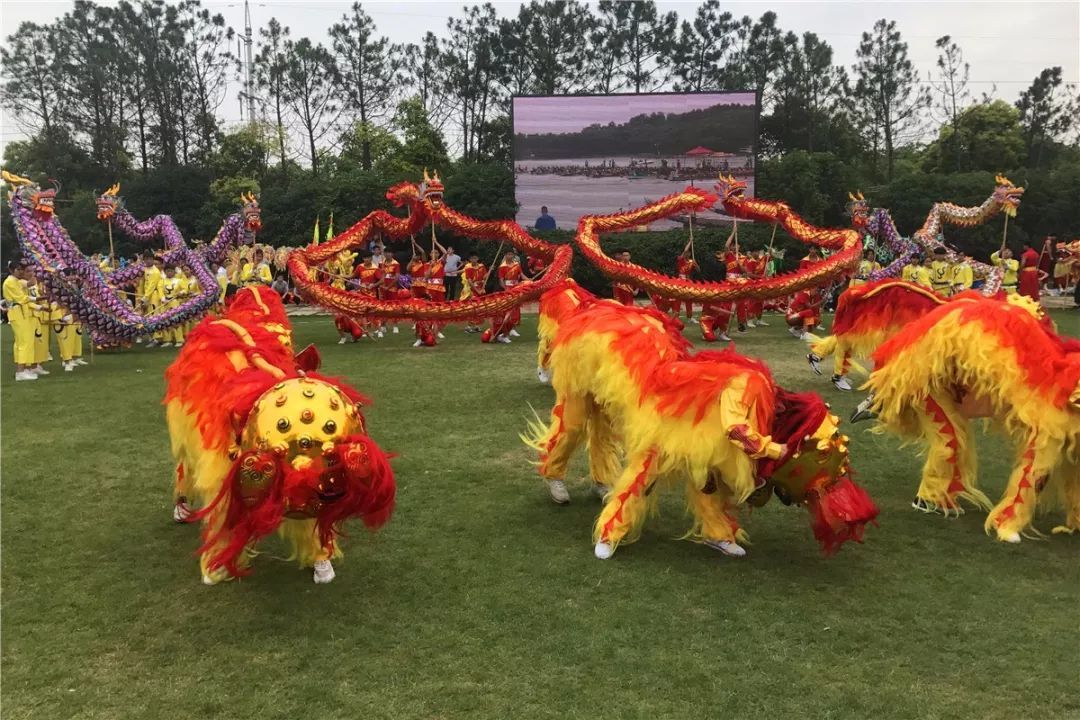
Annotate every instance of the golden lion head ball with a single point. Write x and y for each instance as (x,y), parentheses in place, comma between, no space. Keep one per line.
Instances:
(822,459)
(301,419)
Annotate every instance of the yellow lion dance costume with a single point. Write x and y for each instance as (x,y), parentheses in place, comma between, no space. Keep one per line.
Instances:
(624,377)
(265,443)
(981,357)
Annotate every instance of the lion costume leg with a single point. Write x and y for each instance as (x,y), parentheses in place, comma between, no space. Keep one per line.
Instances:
(1068,479)
(626,505)
(604,461)
(1013,514)
(950,469)
(714,519)
(558,441)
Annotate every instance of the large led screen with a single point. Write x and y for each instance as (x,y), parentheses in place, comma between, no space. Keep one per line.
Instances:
(596,154)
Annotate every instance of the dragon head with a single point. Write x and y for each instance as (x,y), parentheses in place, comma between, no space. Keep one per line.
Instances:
(859,210)
(816,471)
(251,212)
(431,189)
(730,189)
(109,202)
(30,195)
(1007,195)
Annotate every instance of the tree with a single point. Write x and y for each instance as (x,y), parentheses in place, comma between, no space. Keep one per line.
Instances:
(757,54)
(552,32)
(951,83)
(423,145)
(368,68)
(607,49)
(698,56)
(311,79)
(887,89)
(271,71)
(32,63)
(984,137)
(243,152)
(1046,113)
(467,57)
(425,77)
(204,58)
(649,40)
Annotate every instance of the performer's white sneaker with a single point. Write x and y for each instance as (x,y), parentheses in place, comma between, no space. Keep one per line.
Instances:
(543,376)
(762,323)
(603,550)
(80,361)
(729,548)
(441,336)
(841,383)
(1009,537)
(40,370)
(166,344)
(557,491)
(25,375)
(693,320)
(138,341)
(418,343)
(814,359)
(751,323)
(152,343)
(395,331)
(69,366)
(324,572)
(723,337)
(341,341)
(514,333)
(180,344)
(182,512)
(503,339)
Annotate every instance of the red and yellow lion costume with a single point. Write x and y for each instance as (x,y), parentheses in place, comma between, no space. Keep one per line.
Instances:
(624,379)
(868,315)
(982,357)
(263,442)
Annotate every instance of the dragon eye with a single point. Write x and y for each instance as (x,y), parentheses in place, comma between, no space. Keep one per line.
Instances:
(283,424)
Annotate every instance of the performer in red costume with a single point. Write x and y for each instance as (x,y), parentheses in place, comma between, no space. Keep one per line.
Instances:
(755,266)
(685,265)
(811,260)
(502,328)
(388,288)
(804,312)
(428,333)
(1030,275)
(714,321)
(536,266)
(622,292)
(370,276)
(735,265)
(473,278)
(417,268)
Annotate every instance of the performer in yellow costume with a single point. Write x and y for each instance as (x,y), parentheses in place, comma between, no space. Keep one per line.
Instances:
(20,314)
(42,326)
(256,271)
(918,273)
(175,290)
(1004,259)
(152,294)
(867,265)
(963,276)
(941,273)
(68,338)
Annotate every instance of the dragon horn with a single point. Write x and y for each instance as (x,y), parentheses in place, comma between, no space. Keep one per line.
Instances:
(1002,180)
(850,196)
(15,180)
(859,193)
(426,178)
(435,176)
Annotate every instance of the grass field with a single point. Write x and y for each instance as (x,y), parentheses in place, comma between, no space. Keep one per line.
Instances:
(482,599)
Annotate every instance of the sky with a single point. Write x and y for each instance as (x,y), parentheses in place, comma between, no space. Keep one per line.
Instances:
(1006,43)
(567,115)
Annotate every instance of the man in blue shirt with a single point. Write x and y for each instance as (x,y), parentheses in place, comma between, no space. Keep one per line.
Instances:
(545,221)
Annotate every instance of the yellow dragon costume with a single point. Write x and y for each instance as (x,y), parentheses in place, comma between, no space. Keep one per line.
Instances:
(624,378)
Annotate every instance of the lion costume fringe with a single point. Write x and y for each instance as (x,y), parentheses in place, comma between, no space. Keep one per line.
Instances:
(999,359)
(625,379)
(265,443)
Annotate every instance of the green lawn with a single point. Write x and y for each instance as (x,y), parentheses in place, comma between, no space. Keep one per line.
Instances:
(482,599)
